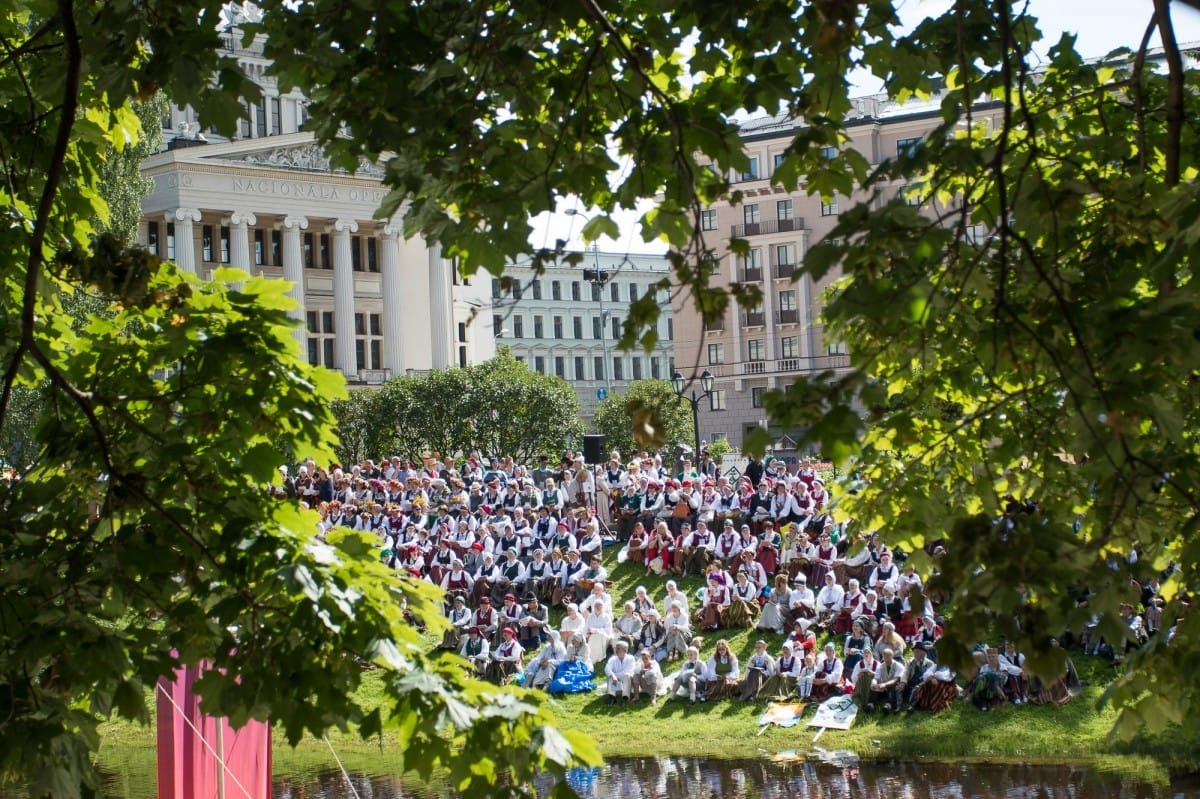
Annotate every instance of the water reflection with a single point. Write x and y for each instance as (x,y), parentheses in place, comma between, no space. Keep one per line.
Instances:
(691,778)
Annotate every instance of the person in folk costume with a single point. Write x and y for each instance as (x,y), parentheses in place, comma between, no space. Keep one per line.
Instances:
(647,677)
(868,612)
(722,672)
(753,570)
(653,636)
(443,558)
(462,538)
(828,678)
(743,606)
(716,599)
(760,667)
(760,505)
(708,503)
(487,579)
(1013,664)
(584,489)
(802,605)
(597,632)
(698,549)
(475,649)
(564,539)
(825,558)
(553,497)
(768,549)
(775,608)
(678,630)
(457,581)
(849,610)
(889,638)
(660,550)
(886,572)
(728,543)
(639,540)
(628,626)
(919,668)
(653,500)
(475,499)
(507,659)
(857,642)
(524,532)
(533,622)
(512,575)
(537,572)
(459,617)
(587,579)
(545,528)
(783,505)
(600,594)
(509,612)
(857,681)
(891,607)
(413,562)
(473,561)
(782,684)
(590,542)
(675,509)
(629,508)
(568,591)
(728,504)
(618,674)
(540,671)
(556,566)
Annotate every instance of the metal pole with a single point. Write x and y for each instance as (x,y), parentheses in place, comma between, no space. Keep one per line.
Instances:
(603,321)
(696,428)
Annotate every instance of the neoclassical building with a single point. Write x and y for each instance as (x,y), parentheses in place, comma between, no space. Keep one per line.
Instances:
(374,304)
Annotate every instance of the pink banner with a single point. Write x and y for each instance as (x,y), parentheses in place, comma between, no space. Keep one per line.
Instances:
(192,747)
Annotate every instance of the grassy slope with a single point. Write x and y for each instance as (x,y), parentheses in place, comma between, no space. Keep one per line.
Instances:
(1078,731)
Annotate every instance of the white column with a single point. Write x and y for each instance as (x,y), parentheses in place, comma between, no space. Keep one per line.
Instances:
(343,297)
(293,266)
(239,239)
(393,345)
(185,238)
(441,310)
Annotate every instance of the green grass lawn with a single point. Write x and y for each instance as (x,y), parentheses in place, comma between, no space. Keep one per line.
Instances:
(729,728)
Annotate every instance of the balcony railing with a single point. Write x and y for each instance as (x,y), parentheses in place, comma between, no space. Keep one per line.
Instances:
(785,270)
(818,363)
(754,367)
(752,275)
(787,317)
(753,319)
(715,325)
(766,227)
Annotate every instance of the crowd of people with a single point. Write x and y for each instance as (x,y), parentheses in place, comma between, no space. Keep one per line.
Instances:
(520,554)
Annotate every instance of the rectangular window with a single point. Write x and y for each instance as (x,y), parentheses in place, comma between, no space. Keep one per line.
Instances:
(779,159)
(171,241)
(538,331)
(555,290)
(787,300)
(616,328)
(206,243)
(276,248)
(655,368)
(670,329)
(618,369)
(788,347)
(614,292)
(575,295)
(637,368)
(360,353)
(376,328)
(325,261)
(829,153)
(785,255)
(577,327)
(260,247)
(377,354)
(716,353)
(783,210)
(560,367)
(597,329)
(539,364)
(517,289)
(496,293)
(498,325)
(327,348)
(751,170)
(537,289)
(708,219)
(829,208)
(596,292)
(837,348)
(716,400)
(597,368)
(518,326)
(756,396)
(756,350)
(224,244)
(750,214)
(327,322)
(579,375)
(974,234)
(356,262)
(309,251)
(276,123)
(906,147)
(260,118)
(372,254)
(558,327)
(633,292)
(152,238)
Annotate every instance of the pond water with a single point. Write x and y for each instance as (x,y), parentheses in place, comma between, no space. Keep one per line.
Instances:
(830,775)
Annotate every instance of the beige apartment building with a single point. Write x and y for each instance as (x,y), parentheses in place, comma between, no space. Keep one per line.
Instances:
(754,350)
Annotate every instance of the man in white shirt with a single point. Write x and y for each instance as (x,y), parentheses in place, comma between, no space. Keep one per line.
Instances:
(619,673)
(647,677)
(829,601)
(802,604)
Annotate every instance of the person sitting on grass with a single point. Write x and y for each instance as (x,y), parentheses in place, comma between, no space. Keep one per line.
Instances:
(660,550)
(692,677)
(507,659)
(888,684)
(712,606)
(759,669)
(647,677)
(618,674)
(653,636)
(628,626)
(1013,663)
(775,609)
(723,672)
(542,668)
(856,643)
(986,687)
(829,601)
(743,607)
(782,684)
(827,681)
(678,631)
(919,668)
(598,632)
(475,650)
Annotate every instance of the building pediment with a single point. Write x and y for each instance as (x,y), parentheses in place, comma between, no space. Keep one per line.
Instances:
(306,157)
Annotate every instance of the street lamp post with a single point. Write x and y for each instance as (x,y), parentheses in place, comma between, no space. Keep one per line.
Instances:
(598,277)
(706,383)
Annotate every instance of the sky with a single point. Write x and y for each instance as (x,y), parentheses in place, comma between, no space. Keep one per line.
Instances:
(1101,25)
